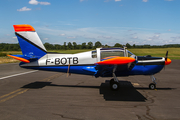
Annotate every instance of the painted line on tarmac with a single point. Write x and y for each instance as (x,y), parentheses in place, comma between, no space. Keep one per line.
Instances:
(10,93)
(18,74)
(19,91)
(135,84)
(12,96)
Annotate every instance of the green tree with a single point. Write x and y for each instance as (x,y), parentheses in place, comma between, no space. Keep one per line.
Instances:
(49,46)
(118,45)
(69,45)
(134,46)
(89,45)
(128,45)
(57,46)
(83,46)
(16,47)
(75,45)
(64,47)
(98,44)
(78,47)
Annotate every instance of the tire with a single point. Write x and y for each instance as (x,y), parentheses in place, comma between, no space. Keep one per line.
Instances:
(114,86)
(152,86)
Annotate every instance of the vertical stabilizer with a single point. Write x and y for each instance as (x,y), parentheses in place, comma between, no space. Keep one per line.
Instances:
(29,41)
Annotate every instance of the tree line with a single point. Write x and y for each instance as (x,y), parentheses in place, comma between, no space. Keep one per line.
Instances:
(89,45)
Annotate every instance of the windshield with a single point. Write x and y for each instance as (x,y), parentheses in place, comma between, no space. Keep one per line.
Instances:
(130,54)
(108,53)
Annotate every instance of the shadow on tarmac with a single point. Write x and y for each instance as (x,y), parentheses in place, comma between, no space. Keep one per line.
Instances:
(127,91)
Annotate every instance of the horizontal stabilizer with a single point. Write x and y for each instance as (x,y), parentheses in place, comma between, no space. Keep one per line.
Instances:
(116,60)
(20,57)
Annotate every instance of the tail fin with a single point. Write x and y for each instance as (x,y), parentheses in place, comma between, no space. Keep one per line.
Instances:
(29,41)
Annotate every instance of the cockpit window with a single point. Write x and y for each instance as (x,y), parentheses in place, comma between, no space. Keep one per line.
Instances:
(131,54)
(111,53)
(94,54)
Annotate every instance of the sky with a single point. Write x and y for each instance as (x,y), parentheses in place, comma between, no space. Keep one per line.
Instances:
(152,22)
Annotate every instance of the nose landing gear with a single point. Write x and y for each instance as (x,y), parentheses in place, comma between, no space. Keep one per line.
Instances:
(152,86)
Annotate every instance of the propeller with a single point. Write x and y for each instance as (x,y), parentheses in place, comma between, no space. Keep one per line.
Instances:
(166,56)
(167,60)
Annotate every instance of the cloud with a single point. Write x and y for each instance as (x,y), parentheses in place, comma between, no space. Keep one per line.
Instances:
(105,37)
(106,0)
(135,37)
(24,9)
(44,3)
(155,37)
(62,34)
(111,35)
(71,37)
(45,38)
(14,37)
(145,0)
(117,0)
(35,2)
(169,0)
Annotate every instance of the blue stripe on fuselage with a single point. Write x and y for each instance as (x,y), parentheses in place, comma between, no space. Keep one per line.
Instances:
(146,69)
(86,70)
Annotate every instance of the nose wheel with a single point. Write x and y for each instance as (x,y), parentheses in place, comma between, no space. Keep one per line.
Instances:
(152,86)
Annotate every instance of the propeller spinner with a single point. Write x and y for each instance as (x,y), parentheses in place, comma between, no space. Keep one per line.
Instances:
(167,60)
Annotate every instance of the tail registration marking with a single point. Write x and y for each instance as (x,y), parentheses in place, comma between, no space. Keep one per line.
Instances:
(63,61)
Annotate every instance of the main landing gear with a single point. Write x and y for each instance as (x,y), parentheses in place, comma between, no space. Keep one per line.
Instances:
(114,83)
(152,86)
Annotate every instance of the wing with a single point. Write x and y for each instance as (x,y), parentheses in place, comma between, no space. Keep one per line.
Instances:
(106,66)
(115,60)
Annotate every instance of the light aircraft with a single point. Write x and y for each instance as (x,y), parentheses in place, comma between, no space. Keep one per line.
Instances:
(102,62)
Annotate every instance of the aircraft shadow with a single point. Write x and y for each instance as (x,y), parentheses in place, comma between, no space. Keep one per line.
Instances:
(127,91)
(36,85)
